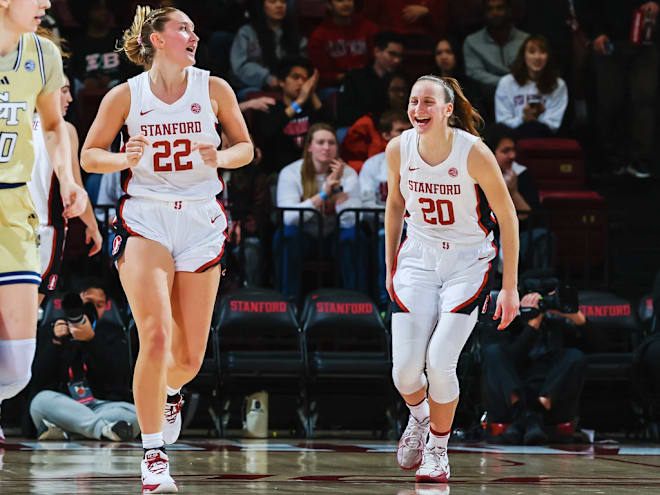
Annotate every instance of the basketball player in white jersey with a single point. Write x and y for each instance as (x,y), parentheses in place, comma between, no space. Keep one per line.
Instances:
(438,174)
(170,229)
(44,189)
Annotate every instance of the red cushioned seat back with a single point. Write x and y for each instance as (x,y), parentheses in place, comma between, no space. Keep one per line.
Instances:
(553,163)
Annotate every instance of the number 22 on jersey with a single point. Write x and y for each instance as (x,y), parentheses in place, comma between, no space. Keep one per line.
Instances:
(181,149)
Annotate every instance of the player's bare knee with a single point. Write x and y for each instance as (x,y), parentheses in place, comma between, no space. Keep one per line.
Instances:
(155,343)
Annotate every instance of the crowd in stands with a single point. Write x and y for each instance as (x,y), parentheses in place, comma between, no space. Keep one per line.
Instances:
(324,84)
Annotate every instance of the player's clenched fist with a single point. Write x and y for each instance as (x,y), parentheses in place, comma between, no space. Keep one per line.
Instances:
(135,149)
(208,152)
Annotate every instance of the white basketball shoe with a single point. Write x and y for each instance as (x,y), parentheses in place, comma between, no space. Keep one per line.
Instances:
(172,419)
(156,473)
(411,445)
(435,465)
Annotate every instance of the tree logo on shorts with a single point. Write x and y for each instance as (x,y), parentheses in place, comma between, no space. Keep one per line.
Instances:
(52,282)
(195,108)
(453,172)
(115,244)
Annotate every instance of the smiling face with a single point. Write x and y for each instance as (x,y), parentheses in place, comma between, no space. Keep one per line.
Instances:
(24,16)
(426,106)
(323,147)
(536,57)
(177,41)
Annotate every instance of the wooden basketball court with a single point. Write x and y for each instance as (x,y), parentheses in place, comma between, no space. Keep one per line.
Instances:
(320,467)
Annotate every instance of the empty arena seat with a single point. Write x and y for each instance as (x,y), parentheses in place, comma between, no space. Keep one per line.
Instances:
(348,355)
(578,220)
(261,348)
(611,336)
(553,163)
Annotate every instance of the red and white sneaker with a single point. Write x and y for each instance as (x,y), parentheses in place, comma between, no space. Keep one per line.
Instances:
(156,473)
(435,465)
(411,445)
(172,420)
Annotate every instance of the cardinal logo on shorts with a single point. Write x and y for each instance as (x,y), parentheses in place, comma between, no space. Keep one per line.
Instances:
(52,282)
(195,108)
(116,243)
(453,172)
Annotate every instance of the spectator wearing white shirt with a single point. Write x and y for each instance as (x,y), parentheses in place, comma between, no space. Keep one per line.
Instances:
(533,98)
(322,181)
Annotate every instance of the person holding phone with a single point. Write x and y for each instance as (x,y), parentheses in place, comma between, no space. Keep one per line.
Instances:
(533,98)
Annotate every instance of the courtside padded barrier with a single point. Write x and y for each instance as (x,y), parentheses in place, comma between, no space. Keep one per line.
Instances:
(553,163)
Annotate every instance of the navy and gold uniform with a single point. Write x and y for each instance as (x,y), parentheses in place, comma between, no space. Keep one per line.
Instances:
(35,67)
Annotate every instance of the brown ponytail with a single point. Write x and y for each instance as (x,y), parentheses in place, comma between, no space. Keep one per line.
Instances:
(136,40)
(61,43)
(464,117)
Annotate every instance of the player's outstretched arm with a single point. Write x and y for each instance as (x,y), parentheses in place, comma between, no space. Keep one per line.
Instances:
(394,209)
(109,120)
(483,167)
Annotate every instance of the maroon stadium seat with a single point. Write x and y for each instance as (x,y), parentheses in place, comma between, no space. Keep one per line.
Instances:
(578,220)
(553,163)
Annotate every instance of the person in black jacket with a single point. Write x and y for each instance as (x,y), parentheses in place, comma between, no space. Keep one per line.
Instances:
(80,381)
(530,378)
(280,132)
(365,90)
(626,70)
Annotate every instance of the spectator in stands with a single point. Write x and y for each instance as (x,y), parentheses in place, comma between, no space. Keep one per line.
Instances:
(530,378)
(80,381)
(534,242)
(260,45)
(448,62)
(364,138)
(322,181)
(647,360)
(626,83)
(365,90)
(417,20)
(280,132)
(344,41)
(533,98)
(95,63)
(373,186)
(490,51)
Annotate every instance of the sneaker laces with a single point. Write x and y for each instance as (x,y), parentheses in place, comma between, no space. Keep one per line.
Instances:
(436,455)
(172,410)
(414,431)
(156,464)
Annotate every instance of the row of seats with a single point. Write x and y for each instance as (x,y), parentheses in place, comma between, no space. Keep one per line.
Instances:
(336,347)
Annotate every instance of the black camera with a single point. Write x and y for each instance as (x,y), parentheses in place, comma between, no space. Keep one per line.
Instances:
(75,310)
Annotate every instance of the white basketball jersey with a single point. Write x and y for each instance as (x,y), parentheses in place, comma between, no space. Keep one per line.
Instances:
(169,169)
(43,185)
(443,201)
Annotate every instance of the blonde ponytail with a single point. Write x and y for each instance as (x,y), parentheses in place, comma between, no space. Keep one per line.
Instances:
(136,40)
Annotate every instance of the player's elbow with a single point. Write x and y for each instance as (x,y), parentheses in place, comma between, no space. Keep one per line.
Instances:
(86,161)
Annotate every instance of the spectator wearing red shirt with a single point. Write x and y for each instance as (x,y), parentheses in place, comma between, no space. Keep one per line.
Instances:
(415,19)
(344,41)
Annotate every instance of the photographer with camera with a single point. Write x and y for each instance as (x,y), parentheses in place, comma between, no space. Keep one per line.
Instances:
(530,377)
(79,381)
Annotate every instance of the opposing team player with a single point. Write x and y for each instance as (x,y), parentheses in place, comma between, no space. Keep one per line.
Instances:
(30,76)
(438,172)
(44,191)
(170,228)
